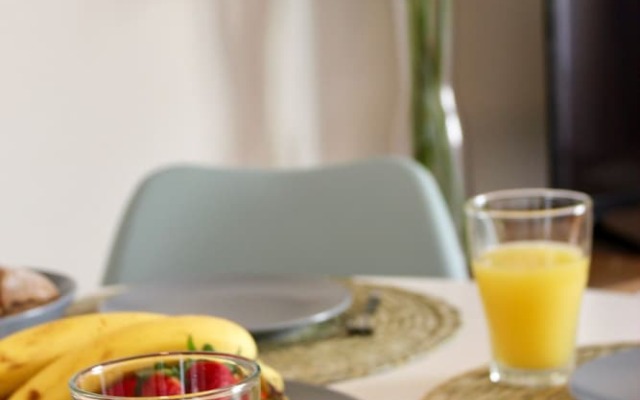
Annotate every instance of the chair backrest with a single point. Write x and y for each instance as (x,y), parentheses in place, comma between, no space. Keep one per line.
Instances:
(381,216)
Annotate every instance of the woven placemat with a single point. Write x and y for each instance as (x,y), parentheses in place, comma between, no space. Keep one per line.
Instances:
(406,324)
(475,384)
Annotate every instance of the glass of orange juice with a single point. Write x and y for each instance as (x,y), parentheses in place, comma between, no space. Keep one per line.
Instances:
(530,251)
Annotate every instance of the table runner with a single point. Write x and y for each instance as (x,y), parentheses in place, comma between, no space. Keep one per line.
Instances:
(406,324)
(475,384)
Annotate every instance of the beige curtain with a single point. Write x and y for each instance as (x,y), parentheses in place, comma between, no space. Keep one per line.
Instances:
(313,81)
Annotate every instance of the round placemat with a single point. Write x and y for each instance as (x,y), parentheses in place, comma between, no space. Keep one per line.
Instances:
(476,385)
(406,324)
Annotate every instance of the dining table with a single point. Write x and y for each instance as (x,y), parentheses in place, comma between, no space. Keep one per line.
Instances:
(606,317)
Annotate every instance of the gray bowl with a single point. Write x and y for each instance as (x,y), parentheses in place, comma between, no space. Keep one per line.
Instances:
(44,313)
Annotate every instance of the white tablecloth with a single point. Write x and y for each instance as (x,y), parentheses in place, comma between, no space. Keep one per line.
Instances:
(606,317)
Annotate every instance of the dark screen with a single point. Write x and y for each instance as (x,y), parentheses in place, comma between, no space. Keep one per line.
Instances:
(593,64)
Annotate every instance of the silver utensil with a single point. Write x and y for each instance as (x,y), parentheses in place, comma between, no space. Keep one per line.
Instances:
(362,322)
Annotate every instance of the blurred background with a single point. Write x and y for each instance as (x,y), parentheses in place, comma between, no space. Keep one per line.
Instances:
(94,95)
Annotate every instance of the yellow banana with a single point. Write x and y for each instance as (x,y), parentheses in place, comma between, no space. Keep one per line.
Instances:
(166,334)
(271,376)
(25,352)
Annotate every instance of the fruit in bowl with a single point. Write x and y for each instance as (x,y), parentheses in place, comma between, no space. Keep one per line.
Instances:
(202,375)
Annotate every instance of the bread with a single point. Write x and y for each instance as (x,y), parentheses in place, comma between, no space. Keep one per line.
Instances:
(23,288)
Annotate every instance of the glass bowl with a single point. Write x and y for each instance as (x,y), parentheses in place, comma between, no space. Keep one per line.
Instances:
(170,375)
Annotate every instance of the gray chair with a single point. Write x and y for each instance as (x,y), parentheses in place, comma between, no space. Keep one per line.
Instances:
(380,216)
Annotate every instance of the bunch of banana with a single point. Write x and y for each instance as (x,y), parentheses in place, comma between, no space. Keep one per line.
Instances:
(56,359)
(27,351)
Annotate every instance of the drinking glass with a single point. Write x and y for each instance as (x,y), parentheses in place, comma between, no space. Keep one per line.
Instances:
(171,375)
(530,251)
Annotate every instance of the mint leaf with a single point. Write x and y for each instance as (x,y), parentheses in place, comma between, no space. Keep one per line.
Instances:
(235,370)
(191,346)
(208,347)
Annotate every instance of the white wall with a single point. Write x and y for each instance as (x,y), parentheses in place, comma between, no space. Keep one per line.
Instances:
(94,94)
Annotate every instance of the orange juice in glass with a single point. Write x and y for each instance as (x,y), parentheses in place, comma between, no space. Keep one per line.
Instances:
(530,256)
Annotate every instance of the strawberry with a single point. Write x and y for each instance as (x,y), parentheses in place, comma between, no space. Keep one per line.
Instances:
(125,387)
(160,384)
(208,375)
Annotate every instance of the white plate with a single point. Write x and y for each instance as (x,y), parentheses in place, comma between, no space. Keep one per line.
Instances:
(613,377)
(262,303)
(302,391)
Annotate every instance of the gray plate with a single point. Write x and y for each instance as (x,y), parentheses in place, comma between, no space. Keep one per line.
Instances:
(302,391)
(262,303)
(44,313)
(613,377)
